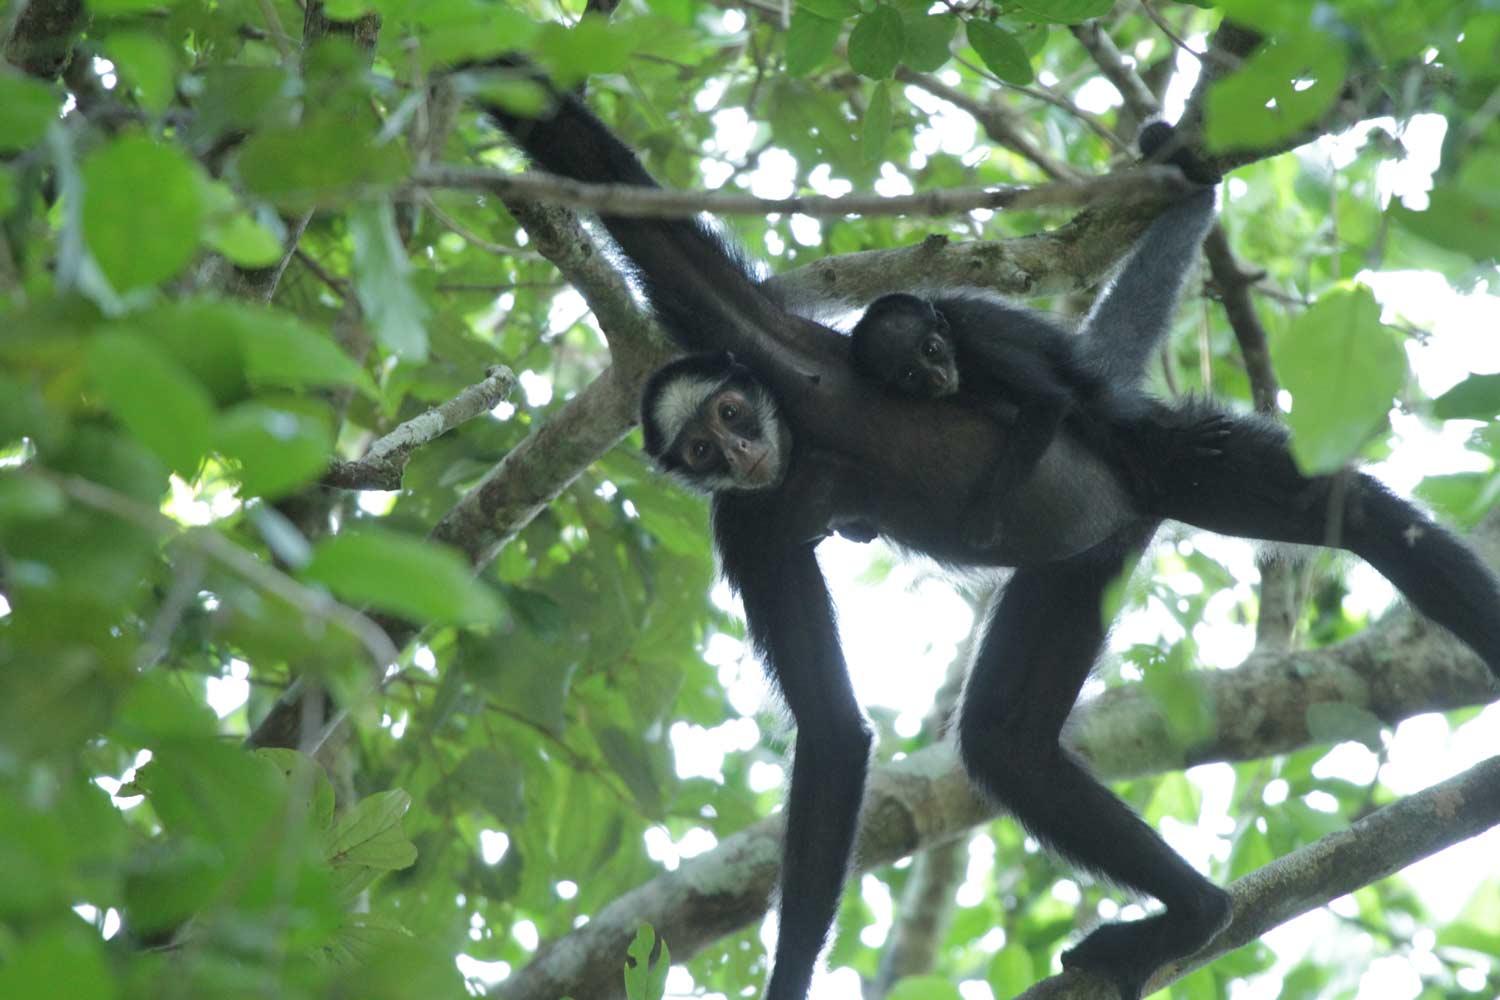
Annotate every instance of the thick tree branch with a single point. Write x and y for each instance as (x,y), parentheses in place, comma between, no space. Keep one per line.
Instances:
(1398,668)
(1372,848)
(1135,183)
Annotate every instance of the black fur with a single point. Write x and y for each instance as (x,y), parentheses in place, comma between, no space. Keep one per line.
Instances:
(909,468)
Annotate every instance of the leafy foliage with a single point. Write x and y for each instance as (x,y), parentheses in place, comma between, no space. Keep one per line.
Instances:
(217,276)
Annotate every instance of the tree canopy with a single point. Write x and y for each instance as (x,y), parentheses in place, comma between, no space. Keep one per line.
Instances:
(350,647)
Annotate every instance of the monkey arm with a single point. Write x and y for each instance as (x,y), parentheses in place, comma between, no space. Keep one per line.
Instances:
(700,286)
(790,616)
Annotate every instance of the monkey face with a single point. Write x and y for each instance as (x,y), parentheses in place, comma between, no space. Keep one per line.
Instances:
(929,371)
(725,445)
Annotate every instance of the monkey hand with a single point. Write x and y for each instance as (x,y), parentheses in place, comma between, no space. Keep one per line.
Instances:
(1161,143)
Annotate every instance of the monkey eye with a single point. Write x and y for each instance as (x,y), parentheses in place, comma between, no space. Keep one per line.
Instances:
(910,375)
(930,348)
(698,452)
(728,411)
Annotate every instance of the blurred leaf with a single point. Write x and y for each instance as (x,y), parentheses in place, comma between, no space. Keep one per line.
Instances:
(809,41)
(876,43)
(318,162)
(1000,51)
(282,350)
(1011,971)
(421,580)
(382,278)
(27,107)
(1475,398)
(928,37)
(154,397)
(1457,219)
(833,10)
(924,988)
(273,450)
(145,61)
(66,960)
(1282,88)
(243,241)
(140,240)
(1343,368)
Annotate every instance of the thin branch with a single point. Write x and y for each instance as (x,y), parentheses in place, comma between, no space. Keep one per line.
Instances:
(1139,100)
(1210,55)
(1135,183)
(381,466)
(1002,124)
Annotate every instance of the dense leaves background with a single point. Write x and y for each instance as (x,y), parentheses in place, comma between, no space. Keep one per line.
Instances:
(218,276)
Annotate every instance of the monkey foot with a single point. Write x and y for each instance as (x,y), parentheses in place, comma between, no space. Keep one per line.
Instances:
(1128,953)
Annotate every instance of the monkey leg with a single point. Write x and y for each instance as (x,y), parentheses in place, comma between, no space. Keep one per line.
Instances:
(1042,638)
(1255,490)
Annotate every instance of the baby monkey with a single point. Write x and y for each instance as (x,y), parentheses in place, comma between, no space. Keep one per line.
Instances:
(1028,374)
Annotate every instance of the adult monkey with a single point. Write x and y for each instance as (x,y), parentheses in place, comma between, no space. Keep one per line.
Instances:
(843,452)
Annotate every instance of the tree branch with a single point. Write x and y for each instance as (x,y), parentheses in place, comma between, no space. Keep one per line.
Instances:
(381,466)
(1372,848)
(1135,183)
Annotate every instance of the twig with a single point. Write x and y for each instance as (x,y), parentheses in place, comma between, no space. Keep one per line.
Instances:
(1101,48)
(383,463)
(279,36)
(642,202)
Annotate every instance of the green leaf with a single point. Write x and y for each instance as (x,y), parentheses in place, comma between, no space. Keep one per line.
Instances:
(928,40)
(142,210)
(1475,398)
(382,279)
(494,780)
(1001,52)
(877,123)
(307,781)
(646,979)
(318,162)
(243,241)
(1064,11)
(27,107)
(1343,369)
(145,61)
(155,397)
(924,988)
(1011,971)
(1302,74)
(418,579)
(1455,218)
(8,196)
(628,756)
(876,43)
(273,449)
(66,960)
(369,835)
(281,350)
(809,41)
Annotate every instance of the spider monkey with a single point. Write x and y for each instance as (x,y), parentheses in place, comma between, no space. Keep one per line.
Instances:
(1025,371)
(792,443)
